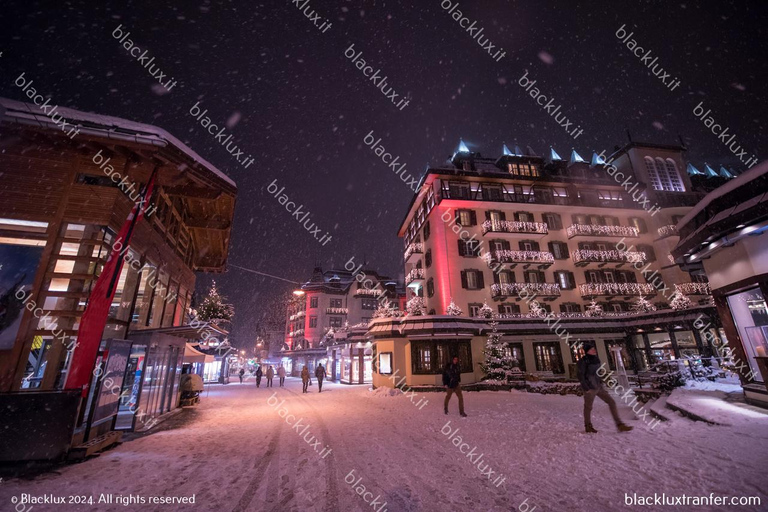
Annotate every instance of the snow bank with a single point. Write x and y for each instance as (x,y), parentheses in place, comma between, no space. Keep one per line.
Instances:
(385,392)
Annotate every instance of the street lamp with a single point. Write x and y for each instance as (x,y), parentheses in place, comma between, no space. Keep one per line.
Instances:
(298,293)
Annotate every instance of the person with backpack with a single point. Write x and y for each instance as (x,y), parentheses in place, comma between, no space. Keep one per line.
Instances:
(259,374)
(305,379)
(320,374)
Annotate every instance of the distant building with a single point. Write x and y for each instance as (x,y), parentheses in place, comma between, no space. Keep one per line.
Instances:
(324,310)
(567,231)
(725,237)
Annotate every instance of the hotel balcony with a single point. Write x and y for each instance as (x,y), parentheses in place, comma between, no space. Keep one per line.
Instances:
(597,230)
(368,292)
(296,316)
(515,229)
(590,290)
(527,258)
(336,311)
(668,230)
(415,278)
(547,291)
(413,252)
(582,258)
(693,288)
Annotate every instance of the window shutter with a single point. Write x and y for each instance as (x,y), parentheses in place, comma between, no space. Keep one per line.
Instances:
(557,221)
(473,217)
(502,216)
(551,246)
(505,244)
(462,247)
(487,215)
(511,276)
(496,279)
(521,245)
(480,280)
(535,246)
(501,309)
(464,279)
(456,217)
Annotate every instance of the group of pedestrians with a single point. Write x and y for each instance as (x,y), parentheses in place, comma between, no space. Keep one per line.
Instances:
(590,382)
(320,375)
(270,373)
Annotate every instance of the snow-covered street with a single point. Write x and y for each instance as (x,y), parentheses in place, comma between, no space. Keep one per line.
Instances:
(237,452)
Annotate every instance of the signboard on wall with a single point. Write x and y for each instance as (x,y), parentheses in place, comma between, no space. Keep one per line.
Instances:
(18,264)
(111,382)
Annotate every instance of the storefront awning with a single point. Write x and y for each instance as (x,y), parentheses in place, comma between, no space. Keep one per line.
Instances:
(192,355)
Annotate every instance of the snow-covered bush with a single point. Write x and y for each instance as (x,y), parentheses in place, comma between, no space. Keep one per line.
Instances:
(643,305)
(415,306)
(453,309)
(594,310)
(486,311)
(680,301)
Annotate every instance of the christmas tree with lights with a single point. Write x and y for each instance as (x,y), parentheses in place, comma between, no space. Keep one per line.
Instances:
(214,308)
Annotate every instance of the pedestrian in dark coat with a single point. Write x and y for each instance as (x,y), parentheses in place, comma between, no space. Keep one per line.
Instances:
(452,383)
(593,387)
(270,376)
(259,375)
(241,374)
(320,374)
(305,379)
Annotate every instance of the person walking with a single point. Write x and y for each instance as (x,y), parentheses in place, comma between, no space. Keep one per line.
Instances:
(281,375)
(593,387)
(452,383)
(320,374)
(305,379)
(270,376)
(241,374)
(259,374)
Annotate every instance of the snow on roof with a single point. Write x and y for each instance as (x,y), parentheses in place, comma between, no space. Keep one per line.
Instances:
(107,126)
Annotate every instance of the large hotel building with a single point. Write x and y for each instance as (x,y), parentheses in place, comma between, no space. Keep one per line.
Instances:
(568,231)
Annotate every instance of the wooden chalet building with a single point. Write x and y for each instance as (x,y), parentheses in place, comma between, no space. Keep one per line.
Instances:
(62,200)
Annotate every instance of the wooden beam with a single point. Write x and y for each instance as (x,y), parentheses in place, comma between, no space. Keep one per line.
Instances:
(194,192)
(203,223)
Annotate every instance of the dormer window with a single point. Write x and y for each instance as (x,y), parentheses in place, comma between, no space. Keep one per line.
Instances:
(522,169)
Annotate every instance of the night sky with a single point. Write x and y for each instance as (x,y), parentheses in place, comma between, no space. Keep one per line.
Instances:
(301,108)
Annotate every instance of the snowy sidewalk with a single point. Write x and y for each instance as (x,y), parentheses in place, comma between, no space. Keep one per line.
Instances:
(238,451)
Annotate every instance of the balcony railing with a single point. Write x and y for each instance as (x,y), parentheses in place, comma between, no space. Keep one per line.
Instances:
(598,230)
(507,256)
(512,226)
(584,257)
(593,289)
(368,292)
(296,316)
(693,288)
(668,230)
(336,311)
(416,274)
(415,248)
(517,289)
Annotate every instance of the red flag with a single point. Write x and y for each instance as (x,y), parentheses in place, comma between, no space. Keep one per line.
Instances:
(97,310)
